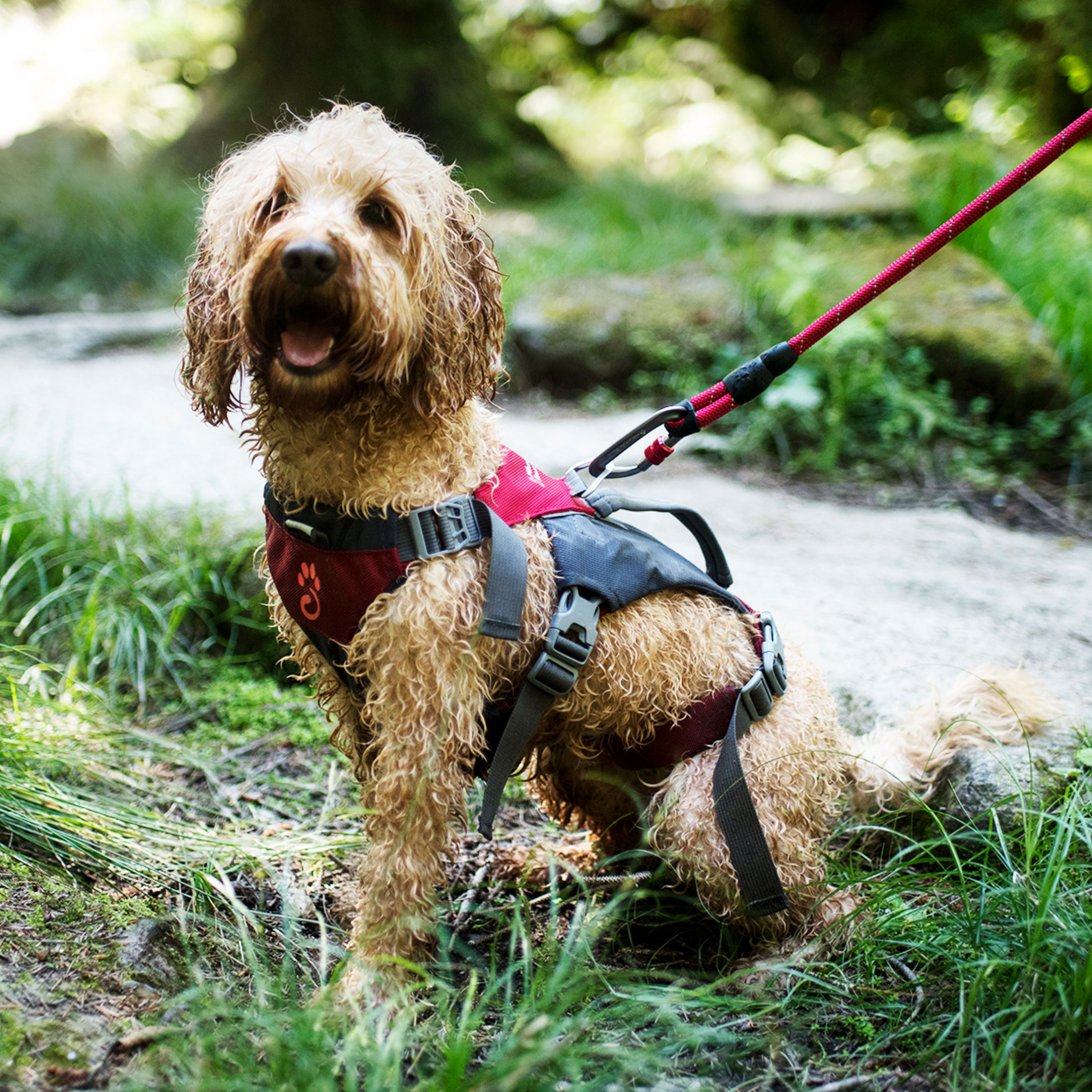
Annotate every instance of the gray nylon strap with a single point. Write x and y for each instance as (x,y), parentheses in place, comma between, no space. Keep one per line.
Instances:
(530,707)
(756,874)
(606,503)
(506,584)
(569,641)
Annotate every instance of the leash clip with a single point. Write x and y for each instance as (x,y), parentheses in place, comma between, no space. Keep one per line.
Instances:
(680,420)
(574,479)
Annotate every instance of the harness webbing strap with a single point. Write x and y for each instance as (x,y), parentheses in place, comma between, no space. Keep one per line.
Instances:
(358,558)
(569,642)
(739,825)
(756,874)
(506,584)
(716,564)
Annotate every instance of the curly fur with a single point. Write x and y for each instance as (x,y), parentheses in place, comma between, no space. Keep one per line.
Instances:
(395,417)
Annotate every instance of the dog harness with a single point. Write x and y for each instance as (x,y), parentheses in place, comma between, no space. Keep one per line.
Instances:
(329,567)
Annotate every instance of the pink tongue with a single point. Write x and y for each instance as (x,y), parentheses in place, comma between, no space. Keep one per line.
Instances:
(306,345)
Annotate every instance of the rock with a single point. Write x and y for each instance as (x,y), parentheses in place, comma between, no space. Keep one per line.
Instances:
(152,952)
(568,337)
(574,335)
(1006,781)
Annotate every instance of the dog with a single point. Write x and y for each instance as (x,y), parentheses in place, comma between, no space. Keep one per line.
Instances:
(345,302)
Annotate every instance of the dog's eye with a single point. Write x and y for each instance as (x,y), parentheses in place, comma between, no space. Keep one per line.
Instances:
(273,206)
(376,213)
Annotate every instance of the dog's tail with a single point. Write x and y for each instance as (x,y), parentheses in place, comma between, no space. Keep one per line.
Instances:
(892,765)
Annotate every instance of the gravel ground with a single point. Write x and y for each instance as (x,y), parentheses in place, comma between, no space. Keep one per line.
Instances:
(890,602)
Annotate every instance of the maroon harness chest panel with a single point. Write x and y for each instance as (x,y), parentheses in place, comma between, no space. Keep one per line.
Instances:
(327,591)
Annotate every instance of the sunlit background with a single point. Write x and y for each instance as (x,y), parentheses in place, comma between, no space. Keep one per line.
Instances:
(671,104)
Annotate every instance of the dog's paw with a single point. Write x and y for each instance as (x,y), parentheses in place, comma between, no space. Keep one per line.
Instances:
(361,984)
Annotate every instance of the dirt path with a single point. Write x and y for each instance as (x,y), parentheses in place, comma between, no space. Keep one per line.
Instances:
(890,602)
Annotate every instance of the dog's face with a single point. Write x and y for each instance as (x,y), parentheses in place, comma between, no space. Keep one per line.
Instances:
(335,258)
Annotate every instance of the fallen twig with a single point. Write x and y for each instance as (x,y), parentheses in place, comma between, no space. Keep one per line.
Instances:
(466,907)
(907,972)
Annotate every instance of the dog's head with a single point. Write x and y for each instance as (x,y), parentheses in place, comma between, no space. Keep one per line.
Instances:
(338,257)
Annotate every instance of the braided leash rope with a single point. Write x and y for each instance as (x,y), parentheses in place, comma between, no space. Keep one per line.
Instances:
(1004,188)
(752,378)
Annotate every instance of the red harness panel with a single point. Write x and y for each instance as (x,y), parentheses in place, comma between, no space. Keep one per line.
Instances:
(519,492)
(328,591)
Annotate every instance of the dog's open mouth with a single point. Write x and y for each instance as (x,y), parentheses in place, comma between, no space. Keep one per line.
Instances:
(307,341)
(307,345)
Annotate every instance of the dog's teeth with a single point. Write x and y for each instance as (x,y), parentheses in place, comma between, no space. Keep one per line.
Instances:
(305,345)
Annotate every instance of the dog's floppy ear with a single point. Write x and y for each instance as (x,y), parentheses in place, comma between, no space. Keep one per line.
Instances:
(213,336)
(460,354)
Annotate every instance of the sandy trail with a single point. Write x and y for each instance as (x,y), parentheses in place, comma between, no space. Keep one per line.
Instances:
(889,602)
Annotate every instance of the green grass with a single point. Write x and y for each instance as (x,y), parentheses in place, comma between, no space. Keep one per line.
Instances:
(128,602)
(968,968)
(87,795)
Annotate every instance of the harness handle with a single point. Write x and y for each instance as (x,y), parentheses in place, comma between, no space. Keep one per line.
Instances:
(751,379)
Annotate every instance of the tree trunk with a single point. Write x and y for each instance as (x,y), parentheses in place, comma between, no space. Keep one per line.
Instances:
(407,56)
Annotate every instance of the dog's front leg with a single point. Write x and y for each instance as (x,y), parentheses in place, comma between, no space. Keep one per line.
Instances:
(425,696)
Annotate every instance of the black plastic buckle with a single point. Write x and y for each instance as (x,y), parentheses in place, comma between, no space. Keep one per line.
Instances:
(756,697)
(773,655)
(770,681)
(569,642)
(443,528)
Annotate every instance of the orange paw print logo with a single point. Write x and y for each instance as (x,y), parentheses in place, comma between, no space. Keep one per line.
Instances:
(308,579)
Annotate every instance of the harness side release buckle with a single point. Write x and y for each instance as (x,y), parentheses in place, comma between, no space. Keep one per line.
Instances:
(756,696)
(773,655)
(569,642)
(443,528)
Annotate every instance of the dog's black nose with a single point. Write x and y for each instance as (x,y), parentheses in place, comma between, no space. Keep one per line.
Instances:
(309,262)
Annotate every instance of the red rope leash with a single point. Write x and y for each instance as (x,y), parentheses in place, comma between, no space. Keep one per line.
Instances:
(752,378)
(998,192)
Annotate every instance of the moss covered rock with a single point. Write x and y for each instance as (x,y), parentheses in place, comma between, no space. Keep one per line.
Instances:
(574,335)
(571,336)
(974,330)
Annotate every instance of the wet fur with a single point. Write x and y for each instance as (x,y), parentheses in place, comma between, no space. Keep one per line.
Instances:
(400,419)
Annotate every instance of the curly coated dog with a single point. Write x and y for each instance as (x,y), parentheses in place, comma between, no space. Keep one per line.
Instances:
(346,303)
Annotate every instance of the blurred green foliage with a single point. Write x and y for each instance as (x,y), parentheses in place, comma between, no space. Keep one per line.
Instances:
(1040,244)
(79,227)
(665,107)
(919,64)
